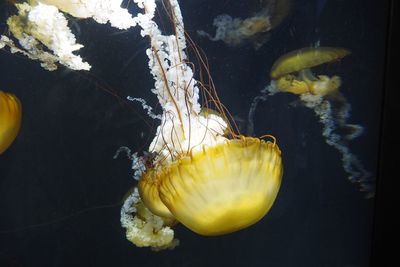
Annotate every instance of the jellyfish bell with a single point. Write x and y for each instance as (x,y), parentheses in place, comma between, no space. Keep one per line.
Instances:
(305,58)
(148,190)
(10,119)
(218,190)
(299,62)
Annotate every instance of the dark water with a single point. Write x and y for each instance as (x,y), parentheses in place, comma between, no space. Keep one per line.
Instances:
(61,190)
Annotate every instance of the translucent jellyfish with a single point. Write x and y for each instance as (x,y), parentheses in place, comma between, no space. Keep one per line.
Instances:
(235,31)
(10,119)
(292,73)
(201,173)
(254,29)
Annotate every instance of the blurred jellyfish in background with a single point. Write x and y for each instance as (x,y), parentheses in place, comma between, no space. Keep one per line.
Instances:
(255,29)
(291,73)
(299,62)
(10,119)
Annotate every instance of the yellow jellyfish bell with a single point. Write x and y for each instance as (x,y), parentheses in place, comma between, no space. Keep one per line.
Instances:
(305,58)
(218,190)
(10,119)
(300,61)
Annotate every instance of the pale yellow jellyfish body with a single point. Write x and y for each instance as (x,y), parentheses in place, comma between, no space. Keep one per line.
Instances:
(203,175)
(292,71)
(10,119)
(218,190)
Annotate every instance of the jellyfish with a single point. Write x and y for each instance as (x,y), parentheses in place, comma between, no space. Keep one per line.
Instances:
(291,73)
(235,31)
(300,61)
(201,173)
(255,29)
(10,119)
(219,190)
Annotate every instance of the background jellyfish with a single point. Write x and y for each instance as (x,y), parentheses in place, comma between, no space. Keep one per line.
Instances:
(292,73)
(237,31)
(10,119)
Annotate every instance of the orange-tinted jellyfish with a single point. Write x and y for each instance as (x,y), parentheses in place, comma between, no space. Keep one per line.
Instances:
(10,119)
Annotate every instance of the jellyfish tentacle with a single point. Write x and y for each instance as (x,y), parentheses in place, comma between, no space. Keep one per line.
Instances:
(351,164)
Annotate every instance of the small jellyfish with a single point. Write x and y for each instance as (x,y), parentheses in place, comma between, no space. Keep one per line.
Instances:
(299,62)
(255,29)
(10,119)
(291,73)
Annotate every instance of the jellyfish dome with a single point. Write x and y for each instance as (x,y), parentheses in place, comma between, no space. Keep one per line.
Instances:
(220,189)
(10,119)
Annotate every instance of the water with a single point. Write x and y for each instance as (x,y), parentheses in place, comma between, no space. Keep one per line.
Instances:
(61,190)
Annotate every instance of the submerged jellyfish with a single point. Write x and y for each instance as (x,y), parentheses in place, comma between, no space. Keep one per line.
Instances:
(218,190)
(198,170)
(292,73)
(10,119)
(300,61)
(202,173)
(255,29)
